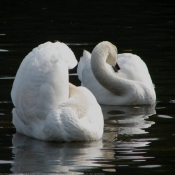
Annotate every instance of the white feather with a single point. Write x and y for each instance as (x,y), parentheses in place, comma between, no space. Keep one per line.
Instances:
(47,107)
(131,85)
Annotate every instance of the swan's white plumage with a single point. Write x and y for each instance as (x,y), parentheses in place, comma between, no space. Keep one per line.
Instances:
(135,81)
(133,68)
(83,60)
(47,107)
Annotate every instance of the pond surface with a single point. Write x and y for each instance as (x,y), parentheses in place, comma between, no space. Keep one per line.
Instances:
(137,139)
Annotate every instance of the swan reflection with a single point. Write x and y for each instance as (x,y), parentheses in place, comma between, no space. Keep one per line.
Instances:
(127,120)
(31,155)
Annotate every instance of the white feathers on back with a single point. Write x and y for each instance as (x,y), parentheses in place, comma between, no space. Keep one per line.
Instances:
(41,96)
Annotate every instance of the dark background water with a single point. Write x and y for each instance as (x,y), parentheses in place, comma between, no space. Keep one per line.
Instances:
(145,28)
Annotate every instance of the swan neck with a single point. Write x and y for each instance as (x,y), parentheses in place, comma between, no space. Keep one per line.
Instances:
(58,86)
(103,74)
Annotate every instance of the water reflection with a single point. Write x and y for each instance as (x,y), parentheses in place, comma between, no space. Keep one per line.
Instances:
(3,50)
(127,119)
(130,145)
(31,155)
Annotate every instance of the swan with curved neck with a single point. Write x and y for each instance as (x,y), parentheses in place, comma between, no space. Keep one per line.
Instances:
(131,84)
(47,106)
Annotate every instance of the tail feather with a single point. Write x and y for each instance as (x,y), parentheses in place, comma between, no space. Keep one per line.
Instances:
(83,60)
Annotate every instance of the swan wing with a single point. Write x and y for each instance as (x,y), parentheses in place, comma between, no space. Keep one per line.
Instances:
(83,61)
(79,118)
(133,68)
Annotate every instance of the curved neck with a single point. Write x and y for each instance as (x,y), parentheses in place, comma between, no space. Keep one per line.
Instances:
(56,87)
(60,83)
(103,75)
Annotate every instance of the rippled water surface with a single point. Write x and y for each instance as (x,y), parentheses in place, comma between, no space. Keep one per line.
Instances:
(137,139)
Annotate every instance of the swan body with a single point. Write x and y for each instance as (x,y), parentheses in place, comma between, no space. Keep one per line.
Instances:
(47,106)
(131,85)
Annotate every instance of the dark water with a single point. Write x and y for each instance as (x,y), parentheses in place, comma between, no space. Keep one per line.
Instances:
(137,140)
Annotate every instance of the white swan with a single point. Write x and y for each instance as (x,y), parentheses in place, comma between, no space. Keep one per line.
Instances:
(47,106)
(131,85)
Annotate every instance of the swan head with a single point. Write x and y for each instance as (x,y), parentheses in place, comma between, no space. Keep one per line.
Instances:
(112,57)
(67,54)
(110,50)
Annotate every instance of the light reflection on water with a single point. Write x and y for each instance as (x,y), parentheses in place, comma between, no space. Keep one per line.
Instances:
(31,155)
(138,137)
(52,157)
(129,120)
(3,50)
